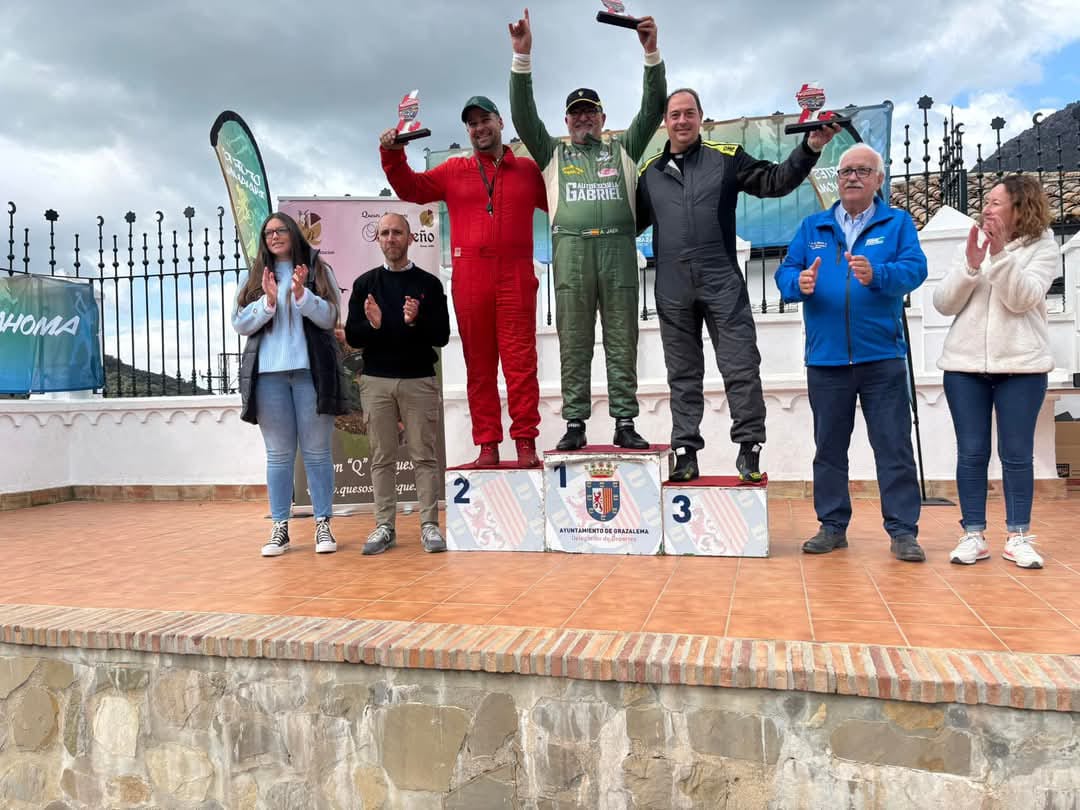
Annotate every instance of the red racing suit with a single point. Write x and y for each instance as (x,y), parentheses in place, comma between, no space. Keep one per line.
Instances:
(493,285)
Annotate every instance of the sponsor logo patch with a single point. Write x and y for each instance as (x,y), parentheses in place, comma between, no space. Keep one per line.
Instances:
(875,240)
(572,171)
(608,172)
(817,246)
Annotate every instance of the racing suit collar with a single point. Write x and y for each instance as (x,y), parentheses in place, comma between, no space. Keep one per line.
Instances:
(667,156)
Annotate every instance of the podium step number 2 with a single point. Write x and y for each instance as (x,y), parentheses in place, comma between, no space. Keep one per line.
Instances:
(499,509)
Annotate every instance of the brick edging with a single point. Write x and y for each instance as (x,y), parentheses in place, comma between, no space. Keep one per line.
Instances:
(920,675)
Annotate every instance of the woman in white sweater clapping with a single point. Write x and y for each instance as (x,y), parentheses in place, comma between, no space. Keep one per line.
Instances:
(996,359)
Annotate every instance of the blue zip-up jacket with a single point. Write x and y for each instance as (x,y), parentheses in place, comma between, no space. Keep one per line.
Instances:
(846,322)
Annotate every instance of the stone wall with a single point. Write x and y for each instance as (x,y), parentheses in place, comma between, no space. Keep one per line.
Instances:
(112,729)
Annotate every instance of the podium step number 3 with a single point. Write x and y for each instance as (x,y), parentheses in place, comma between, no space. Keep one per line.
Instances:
(716,517)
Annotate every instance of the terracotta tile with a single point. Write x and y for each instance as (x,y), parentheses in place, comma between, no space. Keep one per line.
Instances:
(705,625)
(916,613)
(925,596)
(1062,642)
(400,611)
(520,615)
(360,590)
(951,637)
(1003,616)
(750,606)
(1009,595)
(857,632)
(607,619)
(460,614)
(770,627)
(332,608)
(852,610)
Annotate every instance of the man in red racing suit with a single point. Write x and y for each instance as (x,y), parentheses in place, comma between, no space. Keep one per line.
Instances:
(490,195)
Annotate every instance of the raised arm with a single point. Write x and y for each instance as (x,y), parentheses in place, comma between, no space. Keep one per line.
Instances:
(523,112)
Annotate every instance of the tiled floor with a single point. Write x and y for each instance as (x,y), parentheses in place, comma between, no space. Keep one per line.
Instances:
(204,557)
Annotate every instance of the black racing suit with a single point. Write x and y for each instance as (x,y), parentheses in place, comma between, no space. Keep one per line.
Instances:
(698,280)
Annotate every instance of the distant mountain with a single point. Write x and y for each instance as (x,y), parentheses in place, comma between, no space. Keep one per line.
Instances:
(1065,123)
(124,380)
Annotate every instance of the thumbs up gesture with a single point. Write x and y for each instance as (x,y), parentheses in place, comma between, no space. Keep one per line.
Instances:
(808,278)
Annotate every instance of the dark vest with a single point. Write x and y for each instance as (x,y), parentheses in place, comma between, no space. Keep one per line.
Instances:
(324,359)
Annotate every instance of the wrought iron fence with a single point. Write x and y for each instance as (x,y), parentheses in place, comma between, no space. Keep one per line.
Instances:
(165,297)
(166,292)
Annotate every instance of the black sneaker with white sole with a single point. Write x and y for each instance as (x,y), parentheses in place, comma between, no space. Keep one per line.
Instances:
(278,543)
(324,538)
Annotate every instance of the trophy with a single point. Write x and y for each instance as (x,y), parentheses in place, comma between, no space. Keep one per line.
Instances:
(408,125)
(616,15)
(811,98)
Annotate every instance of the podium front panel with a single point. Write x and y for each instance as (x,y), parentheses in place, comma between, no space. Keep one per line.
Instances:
(500,509)
(716,518)
(603,502)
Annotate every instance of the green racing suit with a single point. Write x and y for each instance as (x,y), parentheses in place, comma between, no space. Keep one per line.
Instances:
(591,192)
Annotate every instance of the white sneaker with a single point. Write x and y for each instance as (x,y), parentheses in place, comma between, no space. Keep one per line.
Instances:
(1018,549)
(324,538)
(971,548)
(278,543)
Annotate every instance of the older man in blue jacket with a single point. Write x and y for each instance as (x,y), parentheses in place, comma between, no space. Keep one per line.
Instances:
(850,268)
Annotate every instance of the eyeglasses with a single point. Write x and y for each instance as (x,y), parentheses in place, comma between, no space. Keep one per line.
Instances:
(276,232)
(860,171)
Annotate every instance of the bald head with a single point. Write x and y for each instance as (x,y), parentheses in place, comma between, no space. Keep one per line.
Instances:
(394,238)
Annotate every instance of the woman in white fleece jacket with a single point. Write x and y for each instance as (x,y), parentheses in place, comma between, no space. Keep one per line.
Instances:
(996,358)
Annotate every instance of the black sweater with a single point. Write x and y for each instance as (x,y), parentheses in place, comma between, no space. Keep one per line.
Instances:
(396,349)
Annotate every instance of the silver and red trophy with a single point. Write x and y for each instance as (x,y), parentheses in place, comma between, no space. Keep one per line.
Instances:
(811,98)
(408,125)
(616,15)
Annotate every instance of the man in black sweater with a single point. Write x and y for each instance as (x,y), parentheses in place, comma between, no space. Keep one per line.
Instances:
(398,315)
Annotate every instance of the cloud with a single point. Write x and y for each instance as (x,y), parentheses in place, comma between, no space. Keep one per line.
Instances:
(108,106)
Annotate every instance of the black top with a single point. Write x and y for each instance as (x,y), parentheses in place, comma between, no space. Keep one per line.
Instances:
(396,349)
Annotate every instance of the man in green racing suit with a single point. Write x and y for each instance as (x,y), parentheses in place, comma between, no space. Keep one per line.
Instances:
(591,190)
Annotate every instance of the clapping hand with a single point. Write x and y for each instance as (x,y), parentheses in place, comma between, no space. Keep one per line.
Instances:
(975,252)
(269,286)
(411,307)
(995,233)
(299,276)
(372,312)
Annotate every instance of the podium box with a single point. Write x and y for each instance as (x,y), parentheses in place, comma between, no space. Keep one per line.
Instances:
(604,500)
(494,508)
(716,516)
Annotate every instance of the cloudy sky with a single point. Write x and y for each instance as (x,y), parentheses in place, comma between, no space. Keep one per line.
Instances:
(107,105)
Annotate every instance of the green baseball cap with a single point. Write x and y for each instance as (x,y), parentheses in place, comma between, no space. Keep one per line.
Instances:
(482,102)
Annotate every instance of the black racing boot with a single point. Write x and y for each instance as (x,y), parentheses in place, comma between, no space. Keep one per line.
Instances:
(748,463)
(626,436)
(686,468)
(574,438)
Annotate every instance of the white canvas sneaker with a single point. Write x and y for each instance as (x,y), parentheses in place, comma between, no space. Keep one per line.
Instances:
(971,548)
(1019,549)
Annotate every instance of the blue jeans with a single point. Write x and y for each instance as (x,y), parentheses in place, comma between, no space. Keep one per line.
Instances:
(881,387)
(285,407)
(1017,400)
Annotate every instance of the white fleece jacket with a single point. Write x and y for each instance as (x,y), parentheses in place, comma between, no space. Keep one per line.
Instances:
(1000,325)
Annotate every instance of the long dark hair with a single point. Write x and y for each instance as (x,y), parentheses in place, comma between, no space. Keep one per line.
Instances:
(301,254)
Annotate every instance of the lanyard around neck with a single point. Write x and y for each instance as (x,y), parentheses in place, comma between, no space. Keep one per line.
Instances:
(489,185)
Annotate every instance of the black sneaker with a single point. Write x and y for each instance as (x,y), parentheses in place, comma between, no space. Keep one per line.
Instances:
(748,463)
(824,541)
(380,540)
(278,543)
(626,436)
(574,438)
(905,547)
(324,538)
(686,468)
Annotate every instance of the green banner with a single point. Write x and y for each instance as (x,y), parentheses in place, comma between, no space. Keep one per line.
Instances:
(245,177)
(48,335)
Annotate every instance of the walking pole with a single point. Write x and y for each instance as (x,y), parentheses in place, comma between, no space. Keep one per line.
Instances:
(913,399)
